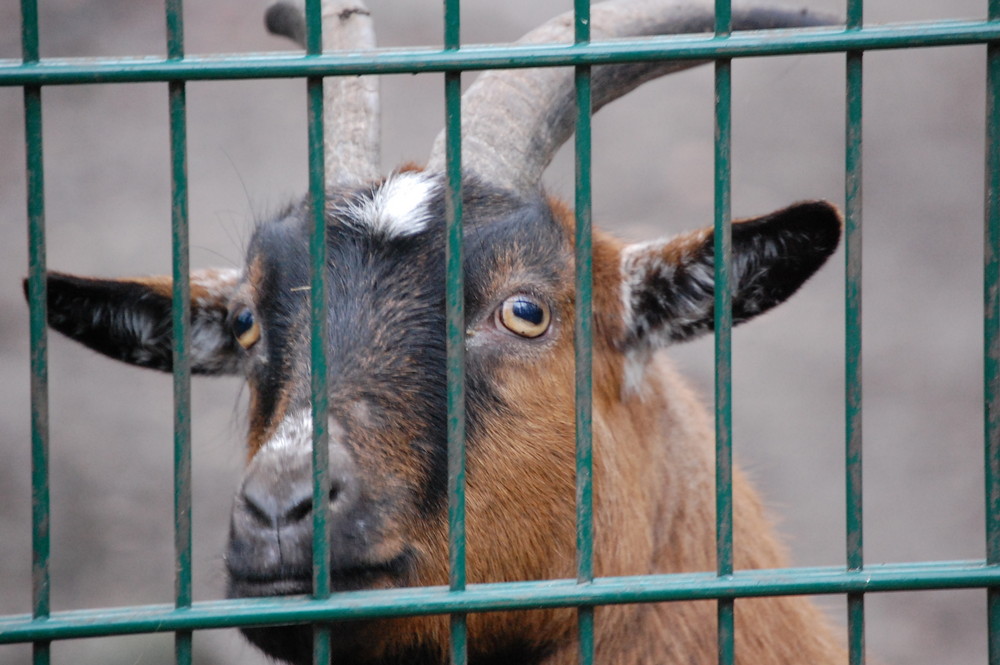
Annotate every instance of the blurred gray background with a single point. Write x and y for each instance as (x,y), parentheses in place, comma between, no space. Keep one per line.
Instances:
(107,186)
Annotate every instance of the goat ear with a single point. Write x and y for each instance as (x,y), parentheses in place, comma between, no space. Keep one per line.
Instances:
(669,288)
(130,319)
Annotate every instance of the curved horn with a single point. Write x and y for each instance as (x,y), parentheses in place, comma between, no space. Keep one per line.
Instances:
(513,121)
(351,117)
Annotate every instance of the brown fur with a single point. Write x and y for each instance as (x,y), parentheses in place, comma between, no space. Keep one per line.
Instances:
(654,497)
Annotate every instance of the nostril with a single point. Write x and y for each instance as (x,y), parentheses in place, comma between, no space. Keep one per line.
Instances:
(268,503)
(303,507)
(299,511)
(257,513)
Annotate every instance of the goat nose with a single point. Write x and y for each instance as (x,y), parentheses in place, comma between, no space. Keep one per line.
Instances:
(271,530)
(285,502)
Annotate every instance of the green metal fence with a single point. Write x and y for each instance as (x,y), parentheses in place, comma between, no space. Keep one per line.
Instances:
(854,579)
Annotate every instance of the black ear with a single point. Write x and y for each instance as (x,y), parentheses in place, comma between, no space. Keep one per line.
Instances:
(130,319)
(669,286)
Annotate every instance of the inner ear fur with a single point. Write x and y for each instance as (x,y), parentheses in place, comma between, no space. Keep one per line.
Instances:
(130,319)
(669,286)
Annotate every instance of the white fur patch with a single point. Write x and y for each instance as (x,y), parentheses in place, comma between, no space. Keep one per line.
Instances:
(634,264)
(295,431)
(399,207)
(636,362)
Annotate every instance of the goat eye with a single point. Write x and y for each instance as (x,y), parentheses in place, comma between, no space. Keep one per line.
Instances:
(246,330)
(524,315)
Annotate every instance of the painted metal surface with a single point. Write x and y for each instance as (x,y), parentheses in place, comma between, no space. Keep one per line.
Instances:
(501,596)
(474,58)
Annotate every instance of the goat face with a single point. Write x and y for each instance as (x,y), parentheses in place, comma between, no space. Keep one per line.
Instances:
(386,372)
(386,375)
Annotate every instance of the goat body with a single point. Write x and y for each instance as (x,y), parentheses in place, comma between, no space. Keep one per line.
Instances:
(653,445)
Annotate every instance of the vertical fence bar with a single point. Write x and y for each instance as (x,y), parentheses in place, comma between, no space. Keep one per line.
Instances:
(723,335)
(38,299)
(455,316)
(852,336)
(583,336)
(318,326)
(991,331)
(181,315)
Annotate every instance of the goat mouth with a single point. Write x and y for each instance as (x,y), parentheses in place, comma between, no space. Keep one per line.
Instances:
(246,587)
(393,572)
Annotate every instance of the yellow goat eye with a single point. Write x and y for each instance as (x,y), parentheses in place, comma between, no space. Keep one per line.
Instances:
(246,330)
(524,315)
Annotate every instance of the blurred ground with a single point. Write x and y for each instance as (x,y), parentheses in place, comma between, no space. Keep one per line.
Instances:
(107,189)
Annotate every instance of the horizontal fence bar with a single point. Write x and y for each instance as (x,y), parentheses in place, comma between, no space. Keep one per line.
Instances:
(352,605)
(470,58)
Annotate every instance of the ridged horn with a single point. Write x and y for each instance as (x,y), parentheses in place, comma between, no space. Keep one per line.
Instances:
(351,104)
(514,121)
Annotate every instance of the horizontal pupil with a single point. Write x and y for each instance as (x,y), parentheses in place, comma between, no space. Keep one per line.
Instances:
(529,311)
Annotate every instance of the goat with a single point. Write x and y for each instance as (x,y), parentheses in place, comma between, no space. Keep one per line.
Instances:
(653,453)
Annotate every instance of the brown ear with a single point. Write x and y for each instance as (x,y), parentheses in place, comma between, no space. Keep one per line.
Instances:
(669,286)
(130,319)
